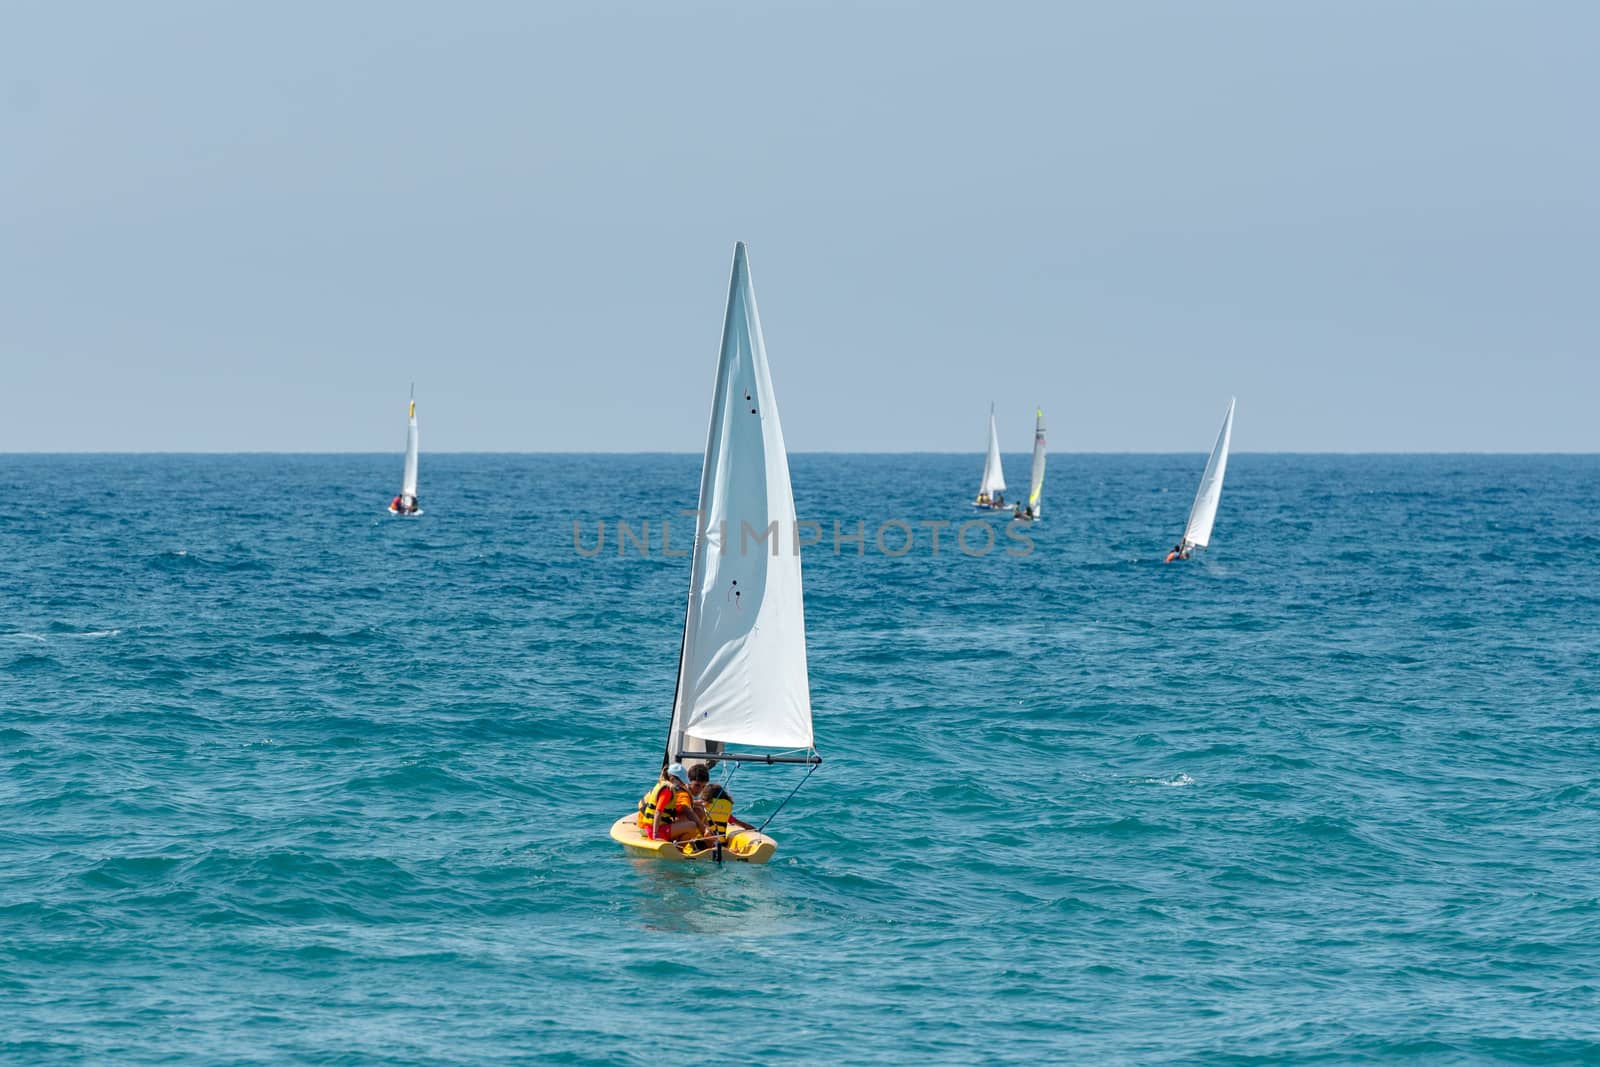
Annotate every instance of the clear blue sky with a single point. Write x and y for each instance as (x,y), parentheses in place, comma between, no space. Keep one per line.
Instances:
(250,227)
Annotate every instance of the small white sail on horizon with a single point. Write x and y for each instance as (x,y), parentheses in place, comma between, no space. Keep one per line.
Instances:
(408,481)
(742,676)
(994,479)
(1036,483)
(1197,533)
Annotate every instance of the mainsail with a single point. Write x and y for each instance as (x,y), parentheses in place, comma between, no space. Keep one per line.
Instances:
(1204,511)
(994,481)
(742,674)
(1037,482)
(408,483)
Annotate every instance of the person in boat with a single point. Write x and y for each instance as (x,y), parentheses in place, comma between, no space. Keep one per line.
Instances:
(699,779)
(667,811)
(1179,551)
(719,811)
(714,805)
(395,504)
(655,808)
(688,817)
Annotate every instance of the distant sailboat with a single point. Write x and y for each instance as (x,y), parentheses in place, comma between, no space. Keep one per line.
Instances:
(1197,534)
(406,502)
(991,492)
(1030,512)
(742,677)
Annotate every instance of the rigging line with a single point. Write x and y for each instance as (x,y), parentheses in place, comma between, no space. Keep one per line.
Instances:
(727,776)
(788,798)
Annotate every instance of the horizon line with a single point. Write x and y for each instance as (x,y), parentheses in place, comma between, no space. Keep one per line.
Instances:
(819,452)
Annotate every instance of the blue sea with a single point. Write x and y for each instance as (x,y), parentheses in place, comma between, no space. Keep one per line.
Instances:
(285,779)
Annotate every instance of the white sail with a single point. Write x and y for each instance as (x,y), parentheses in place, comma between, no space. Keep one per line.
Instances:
(408,483)
(994,480)
(1037,482)
(742,675)
(1204,511)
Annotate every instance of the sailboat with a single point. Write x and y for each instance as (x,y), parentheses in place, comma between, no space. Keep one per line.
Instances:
(1197,534)
(1036,483)
(406,502)
(742,678)
(991,491)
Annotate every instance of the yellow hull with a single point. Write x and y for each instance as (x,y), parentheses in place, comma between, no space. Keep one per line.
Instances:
(746,846)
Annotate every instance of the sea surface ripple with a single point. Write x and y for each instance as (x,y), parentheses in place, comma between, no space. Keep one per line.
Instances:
(285,779)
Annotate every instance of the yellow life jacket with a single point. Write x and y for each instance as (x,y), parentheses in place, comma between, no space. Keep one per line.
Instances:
(648,808)
(719,811)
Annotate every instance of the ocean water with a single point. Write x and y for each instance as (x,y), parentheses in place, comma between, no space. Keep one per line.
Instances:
(284,779)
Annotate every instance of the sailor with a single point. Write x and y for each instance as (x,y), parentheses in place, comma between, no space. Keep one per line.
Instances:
(719,811)
(1179,551)
(660,807)
(655,808)
(395,504)
(687,818)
